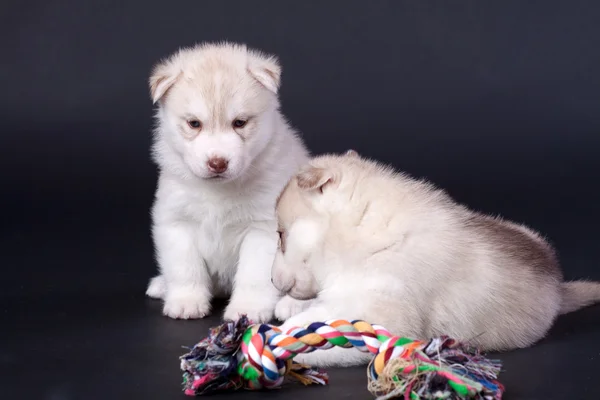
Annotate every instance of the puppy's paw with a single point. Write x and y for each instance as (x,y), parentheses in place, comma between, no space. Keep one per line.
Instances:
(157,288)
(334,357)
(297,321)
(257,309)
(186,303)
(288,307)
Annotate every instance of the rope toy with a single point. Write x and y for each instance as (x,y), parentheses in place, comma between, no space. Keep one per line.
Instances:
(239,354)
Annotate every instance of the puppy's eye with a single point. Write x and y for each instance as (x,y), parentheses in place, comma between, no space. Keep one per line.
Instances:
(239,123)
(281,240)
(194,124)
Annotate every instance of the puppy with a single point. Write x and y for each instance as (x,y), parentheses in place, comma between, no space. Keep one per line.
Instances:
(224,153)
(365,242)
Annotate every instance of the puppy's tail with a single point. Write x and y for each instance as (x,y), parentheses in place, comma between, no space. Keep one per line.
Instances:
(578,294)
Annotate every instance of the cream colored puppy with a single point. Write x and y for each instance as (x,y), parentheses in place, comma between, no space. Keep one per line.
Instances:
(224,153)
(364,242)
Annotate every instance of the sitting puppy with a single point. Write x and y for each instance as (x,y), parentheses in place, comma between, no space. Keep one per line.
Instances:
(359,241)
(224,152)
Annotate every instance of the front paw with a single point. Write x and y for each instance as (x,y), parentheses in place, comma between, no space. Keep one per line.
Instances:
(297,321)
(334,357)
(287,307)
(186,303)
(157,288)
(257,311)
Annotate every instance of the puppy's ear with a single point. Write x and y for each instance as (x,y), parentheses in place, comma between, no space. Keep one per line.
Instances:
(352,153)
(164,75)
(315,178)
(266,70)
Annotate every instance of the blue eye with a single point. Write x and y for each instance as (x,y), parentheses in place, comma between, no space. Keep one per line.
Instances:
(194,124)
(239,123)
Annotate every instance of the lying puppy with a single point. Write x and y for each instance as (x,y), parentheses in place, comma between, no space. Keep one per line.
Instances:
(224,153)
(368,243)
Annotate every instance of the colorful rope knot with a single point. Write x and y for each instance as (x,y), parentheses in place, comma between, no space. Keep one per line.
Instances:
(239,355)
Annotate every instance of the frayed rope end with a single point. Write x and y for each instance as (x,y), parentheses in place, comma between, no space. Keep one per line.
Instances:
(215,364)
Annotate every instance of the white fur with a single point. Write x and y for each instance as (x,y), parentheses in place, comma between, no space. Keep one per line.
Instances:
(216,235)
(367,243)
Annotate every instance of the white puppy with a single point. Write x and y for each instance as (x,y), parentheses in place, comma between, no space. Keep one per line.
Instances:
(224,153)
(378,246)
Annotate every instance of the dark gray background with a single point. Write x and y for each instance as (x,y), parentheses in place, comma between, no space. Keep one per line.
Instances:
(498,102)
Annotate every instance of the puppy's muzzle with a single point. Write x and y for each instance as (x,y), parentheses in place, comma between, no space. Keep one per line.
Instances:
(282,282)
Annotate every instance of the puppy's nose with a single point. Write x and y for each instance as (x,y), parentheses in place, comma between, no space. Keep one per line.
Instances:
(218,165)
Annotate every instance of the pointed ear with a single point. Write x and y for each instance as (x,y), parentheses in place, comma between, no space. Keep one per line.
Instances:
(266,70)
(162,78)
(315,178)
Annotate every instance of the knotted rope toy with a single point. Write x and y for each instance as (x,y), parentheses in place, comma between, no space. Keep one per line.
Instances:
(239,354)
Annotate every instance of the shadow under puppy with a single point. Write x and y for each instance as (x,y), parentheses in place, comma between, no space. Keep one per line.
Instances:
(360,241)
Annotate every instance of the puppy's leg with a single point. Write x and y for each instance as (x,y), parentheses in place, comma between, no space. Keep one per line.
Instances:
(253,293)
(334,357)
(157,288)
(315,313)
(288,307)
(185,274)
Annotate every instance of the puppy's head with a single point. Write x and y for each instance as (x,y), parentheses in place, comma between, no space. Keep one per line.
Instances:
(311,201)
(217,107)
